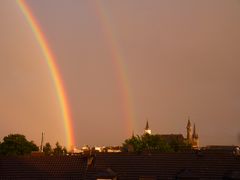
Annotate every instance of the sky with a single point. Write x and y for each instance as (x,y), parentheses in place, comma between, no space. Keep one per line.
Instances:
(122,62)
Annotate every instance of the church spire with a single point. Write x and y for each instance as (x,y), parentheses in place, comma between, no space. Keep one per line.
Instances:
(189,130)
(147,130)
(192,136)
(189,123)
(195,135)
(195,139)
(147,126)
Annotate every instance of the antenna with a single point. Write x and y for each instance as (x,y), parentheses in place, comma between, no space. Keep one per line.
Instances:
(41,147)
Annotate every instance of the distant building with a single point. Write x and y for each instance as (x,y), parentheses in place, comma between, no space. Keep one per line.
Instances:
(192,137)
(113,149)
(147,130)
(220,148)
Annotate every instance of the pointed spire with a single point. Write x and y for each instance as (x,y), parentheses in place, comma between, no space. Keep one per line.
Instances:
(189,123)
(189,130)
(147,130)
(147,126)
(194,135)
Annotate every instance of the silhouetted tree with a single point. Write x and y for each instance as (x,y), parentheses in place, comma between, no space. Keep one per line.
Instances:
(59,150)
(17,144)
(47,149)
(64,151)
(134,144)
(154,143)
(179,146)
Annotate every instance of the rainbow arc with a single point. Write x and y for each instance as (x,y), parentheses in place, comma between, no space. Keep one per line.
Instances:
(117,60)
(52,65)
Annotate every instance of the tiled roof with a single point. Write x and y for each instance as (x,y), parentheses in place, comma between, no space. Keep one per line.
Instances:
(169,165)
(45,167)
(124,166)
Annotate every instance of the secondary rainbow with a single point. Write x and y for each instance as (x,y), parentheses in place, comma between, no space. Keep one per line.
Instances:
(52,65)
(118,61)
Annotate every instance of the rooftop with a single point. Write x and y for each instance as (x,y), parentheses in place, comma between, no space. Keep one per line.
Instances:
(197,164)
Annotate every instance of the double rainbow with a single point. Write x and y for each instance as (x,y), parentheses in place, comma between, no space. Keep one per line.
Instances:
(117,60)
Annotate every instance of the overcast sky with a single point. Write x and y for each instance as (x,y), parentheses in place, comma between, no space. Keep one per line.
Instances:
(180,58)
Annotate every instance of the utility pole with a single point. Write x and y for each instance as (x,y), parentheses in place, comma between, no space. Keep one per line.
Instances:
(41,147)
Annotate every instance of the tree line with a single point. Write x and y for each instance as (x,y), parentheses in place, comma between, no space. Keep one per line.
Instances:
(17,145)
(155,143)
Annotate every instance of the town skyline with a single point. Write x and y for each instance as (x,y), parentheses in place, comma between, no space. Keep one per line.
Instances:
(120,63)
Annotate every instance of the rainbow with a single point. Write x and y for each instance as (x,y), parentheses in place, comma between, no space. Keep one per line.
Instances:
(52,65)
(120,66)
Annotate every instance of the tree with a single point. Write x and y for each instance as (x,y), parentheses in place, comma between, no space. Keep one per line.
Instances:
(17,144)
(134,144)
(47,149)
(59,150)
(155,143)
(147,143)
(179,146)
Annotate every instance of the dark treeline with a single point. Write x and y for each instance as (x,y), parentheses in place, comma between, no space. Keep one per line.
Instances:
(155,143)
(17,145)
(57,151)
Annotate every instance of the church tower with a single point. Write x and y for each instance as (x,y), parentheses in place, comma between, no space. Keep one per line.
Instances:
(189,130)
(192,136)
(195,139)
(147,130)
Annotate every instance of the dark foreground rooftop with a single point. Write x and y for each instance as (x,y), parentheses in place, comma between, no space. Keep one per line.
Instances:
(124,166)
